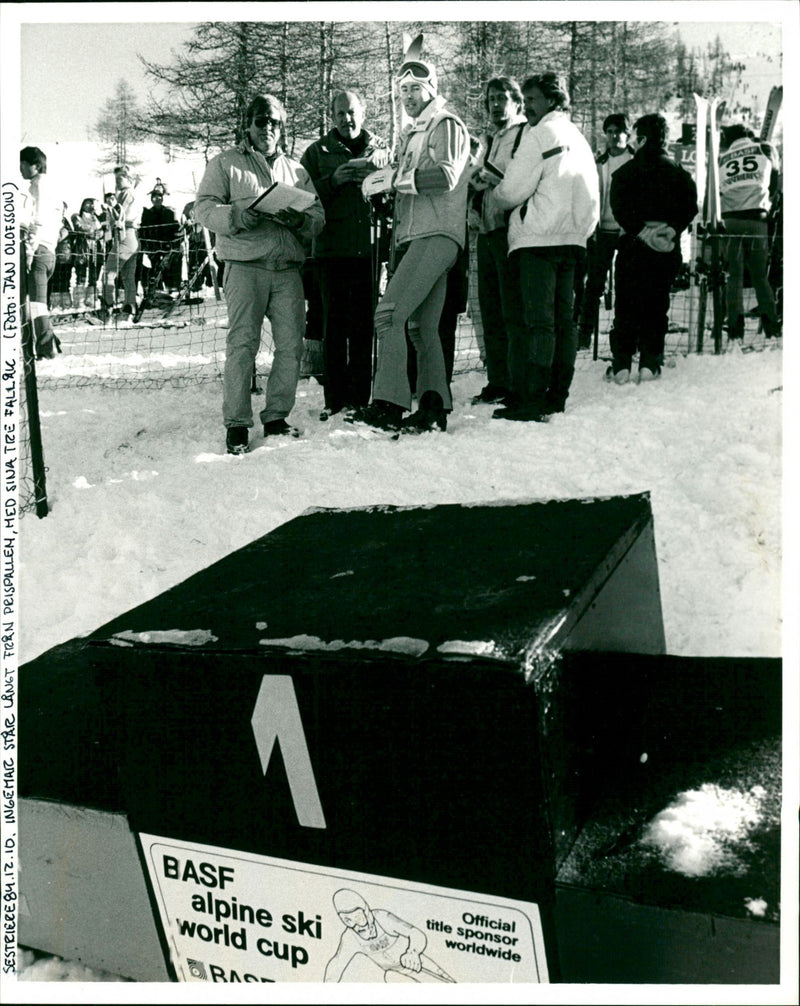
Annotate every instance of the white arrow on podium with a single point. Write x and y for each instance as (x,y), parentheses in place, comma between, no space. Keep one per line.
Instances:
(276,717)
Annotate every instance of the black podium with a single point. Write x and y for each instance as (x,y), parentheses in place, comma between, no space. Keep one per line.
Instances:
(357,748)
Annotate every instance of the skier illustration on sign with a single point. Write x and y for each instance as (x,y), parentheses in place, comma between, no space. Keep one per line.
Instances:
(394,945)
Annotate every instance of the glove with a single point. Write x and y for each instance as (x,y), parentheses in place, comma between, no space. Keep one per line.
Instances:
(658,236)
(244,219)
(377,182)
(379,157)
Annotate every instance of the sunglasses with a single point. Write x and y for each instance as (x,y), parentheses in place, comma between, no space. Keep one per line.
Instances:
(262,121)
(417,70)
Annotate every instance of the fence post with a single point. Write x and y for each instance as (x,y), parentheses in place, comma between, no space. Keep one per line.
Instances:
(32,393)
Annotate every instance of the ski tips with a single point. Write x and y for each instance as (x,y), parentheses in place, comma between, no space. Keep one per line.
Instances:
(413,48)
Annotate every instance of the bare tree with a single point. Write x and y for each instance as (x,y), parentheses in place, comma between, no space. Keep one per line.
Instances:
(118,126)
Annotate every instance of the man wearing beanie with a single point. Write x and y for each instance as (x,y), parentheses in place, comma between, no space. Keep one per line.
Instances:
(430,187)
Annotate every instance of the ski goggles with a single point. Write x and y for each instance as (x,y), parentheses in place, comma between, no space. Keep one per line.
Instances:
(423,73)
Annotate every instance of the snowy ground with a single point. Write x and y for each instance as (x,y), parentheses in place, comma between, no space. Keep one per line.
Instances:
(143,495)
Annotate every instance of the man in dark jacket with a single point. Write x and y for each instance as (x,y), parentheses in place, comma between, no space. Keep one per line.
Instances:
(159,234)
(337,165)
(653,199)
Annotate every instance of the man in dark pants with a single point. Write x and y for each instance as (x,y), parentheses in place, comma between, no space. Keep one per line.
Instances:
(337,164)
(498,287)
(654,200)
(603,243)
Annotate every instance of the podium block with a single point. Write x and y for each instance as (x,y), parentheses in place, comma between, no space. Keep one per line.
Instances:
(347,751)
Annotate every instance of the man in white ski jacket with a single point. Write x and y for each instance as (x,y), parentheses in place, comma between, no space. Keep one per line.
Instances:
(263,256)
(551,185)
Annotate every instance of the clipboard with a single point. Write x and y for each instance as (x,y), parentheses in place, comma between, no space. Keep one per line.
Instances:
(280,196)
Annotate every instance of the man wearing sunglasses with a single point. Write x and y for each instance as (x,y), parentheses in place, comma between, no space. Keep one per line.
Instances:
(430,187)
(338,163)
(263,256)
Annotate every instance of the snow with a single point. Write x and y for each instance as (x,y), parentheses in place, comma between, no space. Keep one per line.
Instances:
(697,835)
(397,644)
(174,637)
(469,647)
(137,507)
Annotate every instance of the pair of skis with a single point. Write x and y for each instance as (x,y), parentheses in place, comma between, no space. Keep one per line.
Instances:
(709,264)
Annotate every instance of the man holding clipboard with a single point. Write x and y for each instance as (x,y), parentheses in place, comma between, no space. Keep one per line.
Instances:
(262,232)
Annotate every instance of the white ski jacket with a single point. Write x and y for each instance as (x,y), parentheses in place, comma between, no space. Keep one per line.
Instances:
(551,183)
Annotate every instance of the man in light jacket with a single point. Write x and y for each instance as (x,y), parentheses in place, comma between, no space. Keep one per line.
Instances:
(430,188)
(263,256)
(551,185)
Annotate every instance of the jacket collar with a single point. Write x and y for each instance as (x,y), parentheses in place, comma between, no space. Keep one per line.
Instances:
(333,141)
(515,120)
(246,147)
(552,116)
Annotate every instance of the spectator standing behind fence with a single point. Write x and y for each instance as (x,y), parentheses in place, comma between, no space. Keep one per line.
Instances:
(60,287)
(749,183)
(343,251)
(86,252)
(605,240)
(42,221)
(551,184)
(430,187)
(197,262)
(654,200)
(122,257)
(160,235)
(498,287)
(263,257)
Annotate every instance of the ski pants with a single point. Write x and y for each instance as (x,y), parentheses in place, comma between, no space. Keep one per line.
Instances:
(549,340)
(600,253)
(746,244)
(347,308)
(415,294)
(41,269)
(251,294)
(641,308)
(122,259)
(500,301)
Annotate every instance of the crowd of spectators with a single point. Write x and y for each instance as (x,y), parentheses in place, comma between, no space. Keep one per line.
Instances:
(109,255)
